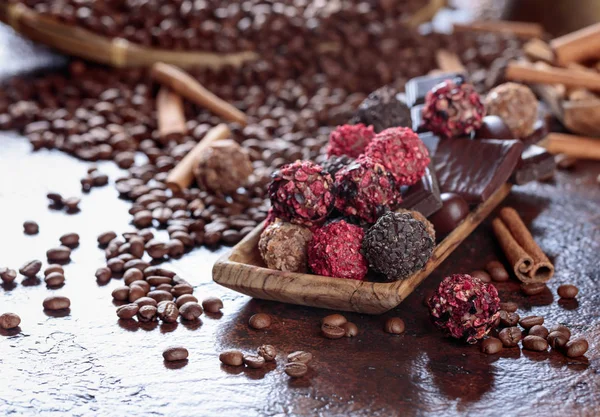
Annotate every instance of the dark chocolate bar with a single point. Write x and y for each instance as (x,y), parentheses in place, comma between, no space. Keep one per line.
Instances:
(475,169)
(431,141)
(416,88)
(423,196)
(535,164)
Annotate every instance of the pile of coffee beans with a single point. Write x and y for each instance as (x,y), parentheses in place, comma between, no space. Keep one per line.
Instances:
(296,365)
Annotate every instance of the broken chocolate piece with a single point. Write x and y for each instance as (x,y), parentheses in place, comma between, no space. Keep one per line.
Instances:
(416,88)
(493,127)
(540,130)
(424,196)
(535,164)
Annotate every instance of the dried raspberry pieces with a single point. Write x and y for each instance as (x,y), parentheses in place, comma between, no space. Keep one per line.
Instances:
(349,140)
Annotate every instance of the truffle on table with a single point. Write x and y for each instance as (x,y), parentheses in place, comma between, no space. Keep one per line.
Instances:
(223,167)
(283,246)
(349,140)
(516,105)
(383,109)
(464,307)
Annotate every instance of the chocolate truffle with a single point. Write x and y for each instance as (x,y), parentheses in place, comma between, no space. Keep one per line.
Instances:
(302,193)
(402,152)
(365,189)
(516,105)
(398,245)
(283,246)
(464,307)
(335,251)
(335,163)
(383,109)
(453,211)
(493,127)
(349,140)
(223,167)
(419,216)
(453,108)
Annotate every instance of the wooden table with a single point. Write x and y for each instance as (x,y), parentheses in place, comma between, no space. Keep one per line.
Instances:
(89,363)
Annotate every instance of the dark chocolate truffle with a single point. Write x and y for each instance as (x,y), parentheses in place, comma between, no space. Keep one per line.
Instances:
(383,109)
(398,245)
(493,127)
(453,211)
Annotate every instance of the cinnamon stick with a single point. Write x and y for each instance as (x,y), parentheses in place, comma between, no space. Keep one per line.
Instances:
(520,29)
(580,147)
(182,175)
(170,114)
(185,85)
(521,71)
(577,46)
(449,62)
(538,50)
(530,264)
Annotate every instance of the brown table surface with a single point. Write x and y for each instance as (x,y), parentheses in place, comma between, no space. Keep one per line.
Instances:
(88,363)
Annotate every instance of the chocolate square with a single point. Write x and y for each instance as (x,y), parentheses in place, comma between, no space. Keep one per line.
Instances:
(536,163)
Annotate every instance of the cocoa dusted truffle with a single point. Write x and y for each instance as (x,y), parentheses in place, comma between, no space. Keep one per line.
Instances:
(453,108)
(349,140)
(335,251)
(398,245)
(516,105)
(335,163)
(383,109)
(283,246)
(302,193)
(402,152)
(224,167)
(365,189)
(464,307)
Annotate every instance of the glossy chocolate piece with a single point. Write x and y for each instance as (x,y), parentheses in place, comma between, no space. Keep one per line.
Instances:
(424,196)
(454,209)
(431,141)
(540,130)
(475,169)
(416,88)
(535,164)
(493,127)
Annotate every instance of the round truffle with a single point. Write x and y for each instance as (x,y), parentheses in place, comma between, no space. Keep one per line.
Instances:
(283,246)
(402,152)
(452,108)
(349,140)
(383,109)
(365,189)
(335,163)
(335,251)
(223,167)
(454,210)
(398,245)
(464,307)
(516,105)
(302,193)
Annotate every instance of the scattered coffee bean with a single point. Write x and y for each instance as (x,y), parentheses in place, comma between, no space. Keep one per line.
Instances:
(147,313)
(497,271)
(538,330)
(56,302)
(212,305)
(394,325)
(8,275)
(295,369)
(535,343)
(185,298)
(121,293)
(533,289)
(9,321)
(71,203)
(562,329)
(509,307)
(105,238)
(232,358)
(128,311)
(300,356)
(164,287)
(175,353)
(70,240)
(59,254)
(334,320)
(174,248)
(254,361)
(529,322)
(136,292)
(103,275)
(31,228)
(132,275)
(143,284)
(557,340)
(482,275)
(508,319)
(116,265)
(55,199)
(491,345)
(54,279)
(146,301)
(159,295)
(181,289)
(268,352)
(332,332)
(510,336)
(155,281)
(190,310)
(167,311)
(54,268)
(567,291)
(260,321)
(576,348)
(158,271)
(31,268)
(350,328)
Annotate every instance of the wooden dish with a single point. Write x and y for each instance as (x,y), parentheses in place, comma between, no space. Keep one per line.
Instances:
(243,270)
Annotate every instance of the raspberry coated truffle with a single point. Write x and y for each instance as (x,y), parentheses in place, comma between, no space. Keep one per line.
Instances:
(516,105)
(453,108)
(398,245)
(366,190)
(402,152)
(283,246)
(383,109)
(224,167)
(464,307)
(302,193)
(349,140)
(334,251)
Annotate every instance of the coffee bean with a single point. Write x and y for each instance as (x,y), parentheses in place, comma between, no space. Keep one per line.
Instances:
(350,328)
(147,313)
(533,289)
(508,319)
(31,268)
(334,320)
(557,340)
(9,321)
(167,311)
(394,325)
(128,311)
(185,298)
(59,254)
(132,275)
(497,271)
(190,310)
(55,198)
(212,305)
(174,248)
(491,346)
(54,279)
(54,268)
(164,287)
(181,289)
(300,356)
(268,352)
(121,293)
(482,275)
(562,329)
(510,336)
(529,322)
(332,332)
(538,330)
(535,343)
(135,264)
(509,307)
(146,301)
(8,275)
(175,353)
(71,203)
(159,295)
(576,348)
(135,292)
(70,240)
(116,265)
(103,275)
(31,228)
(567,291)
(254,361)
(106,237)
(295,369)
(158,271)
(56,302)
(260,321)
(232,358)
(142,218)
(156,280)
(136,248)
